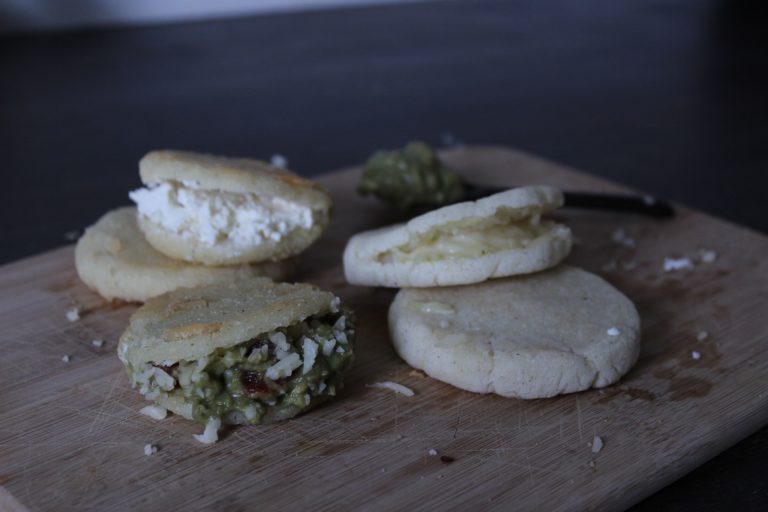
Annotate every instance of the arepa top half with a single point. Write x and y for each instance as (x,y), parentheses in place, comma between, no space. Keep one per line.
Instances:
(222,211)
(470,242)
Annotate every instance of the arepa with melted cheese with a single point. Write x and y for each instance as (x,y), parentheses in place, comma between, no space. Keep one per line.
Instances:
(470,242)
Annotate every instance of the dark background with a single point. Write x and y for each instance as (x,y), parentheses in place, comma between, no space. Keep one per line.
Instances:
(670,97)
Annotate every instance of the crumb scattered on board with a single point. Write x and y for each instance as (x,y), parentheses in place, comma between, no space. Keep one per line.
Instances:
(279,161)
(696,355)
(154,411)
(447,139)
(97,343)
(620,237)
(66,358)
(71,236)
(150,449)
(393,386)
(672,264)
(613,331)
(707,256)
(73,314)
(597,444)
(432,452)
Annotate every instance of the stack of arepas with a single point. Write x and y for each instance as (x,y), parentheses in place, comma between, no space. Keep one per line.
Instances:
(214,342)
(485,305)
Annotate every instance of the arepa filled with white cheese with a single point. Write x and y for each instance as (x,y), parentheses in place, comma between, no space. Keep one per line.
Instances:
(222,211)
(497,236)
(248,352)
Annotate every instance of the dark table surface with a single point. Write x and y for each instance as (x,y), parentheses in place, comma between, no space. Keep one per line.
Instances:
(670,97)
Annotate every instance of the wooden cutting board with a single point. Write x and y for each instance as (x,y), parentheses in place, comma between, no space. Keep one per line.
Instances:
(72,437)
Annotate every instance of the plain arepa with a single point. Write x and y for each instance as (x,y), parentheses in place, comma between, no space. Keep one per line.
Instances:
(114,259)
(536,336)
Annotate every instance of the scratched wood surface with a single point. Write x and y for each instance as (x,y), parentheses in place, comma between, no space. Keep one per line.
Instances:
(71,437)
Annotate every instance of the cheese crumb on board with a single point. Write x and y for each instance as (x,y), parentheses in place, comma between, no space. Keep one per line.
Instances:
(696,355)
(71,236)
(97,343)
(211,433)
(73,314)
(393,386)
(154,411)
(620,237)
(707,256)
(432,452)
(150,449)
(671,264)
(66,358)
(597,444)
(279,161)
(613,331)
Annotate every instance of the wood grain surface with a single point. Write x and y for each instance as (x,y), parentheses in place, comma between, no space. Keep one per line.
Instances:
(71,437)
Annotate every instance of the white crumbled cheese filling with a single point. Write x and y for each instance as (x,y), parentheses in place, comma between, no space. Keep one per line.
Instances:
(284,367)
(215,217)
(211,433)
(154,411)
(309,348)
(393,386)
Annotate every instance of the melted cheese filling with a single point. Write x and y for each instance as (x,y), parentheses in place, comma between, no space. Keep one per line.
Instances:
(469,239)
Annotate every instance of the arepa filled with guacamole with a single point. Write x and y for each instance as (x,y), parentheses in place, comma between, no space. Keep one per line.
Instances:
(243,353)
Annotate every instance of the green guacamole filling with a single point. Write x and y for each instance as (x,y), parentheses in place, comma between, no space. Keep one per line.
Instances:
(412,176)
(281,372)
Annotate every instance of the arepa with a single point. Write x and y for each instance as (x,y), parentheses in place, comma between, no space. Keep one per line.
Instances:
(114,259)
(248,352)
(497,236)
(536,336)
(222,211)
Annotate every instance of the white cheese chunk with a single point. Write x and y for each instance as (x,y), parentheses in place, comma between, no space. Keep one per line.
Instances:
(211,433)
(284,367)
(309,348)
(73,314)
(154,411)
(392,386)
(214,217)
(597,444)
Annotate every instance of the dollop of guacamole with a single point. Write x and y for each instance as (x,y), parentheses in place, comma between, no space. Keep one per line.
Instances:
(411,176)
